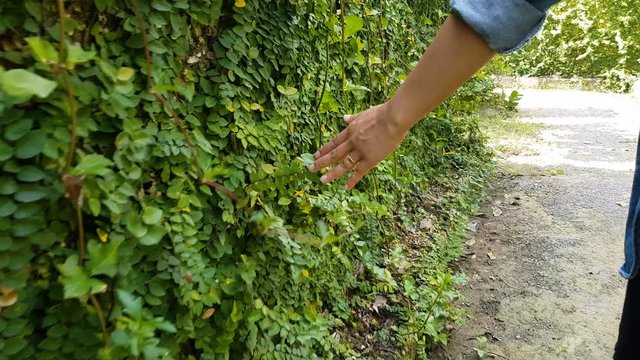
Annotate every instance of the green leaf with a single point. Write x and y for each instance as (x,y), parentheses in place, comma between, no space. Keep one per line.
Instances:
(125,74)
(93,164)
(77,284)
(8,186)
(153,235)
(17,129)
(31,193)
(353,24)
(6,151)
(151,215)
(30,145)
(307,159)
(7,207)
(135,226)
(132,305)
(21,85)
(288,91)
(30,173)
(103,258)
(42,50)
(253,53)
(76,55)
(284,201)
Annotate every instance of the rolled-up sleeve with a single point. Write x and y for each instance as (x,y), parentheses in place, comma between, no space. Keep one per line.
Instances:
(506,25)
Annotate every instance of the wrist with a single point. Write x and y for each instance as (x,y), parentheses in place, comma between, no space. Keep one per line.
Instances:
(397,119)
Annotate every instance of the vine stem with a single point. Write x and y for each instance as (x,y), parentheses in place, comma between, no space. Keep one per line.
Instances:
(431,306)
(145,42)
(76,198)
(81,242)
(101,319)
(69,88)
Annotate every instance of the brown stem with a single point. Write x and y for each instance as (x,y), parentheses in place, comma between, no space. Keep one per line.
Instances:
(218,186)
(74,121)
(145,41)
(81,242)
(62,15)
(103,323)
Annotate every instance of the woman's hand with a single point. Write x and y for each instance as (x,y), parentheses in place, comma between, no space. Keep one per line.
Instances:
(369,137)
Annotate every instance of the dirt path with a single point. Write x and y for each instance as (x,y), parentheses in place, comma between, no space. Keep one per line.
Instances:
(542,263)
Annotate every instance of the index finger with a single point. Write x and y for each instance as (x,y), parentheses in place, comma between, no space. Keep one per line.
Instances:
(334,143)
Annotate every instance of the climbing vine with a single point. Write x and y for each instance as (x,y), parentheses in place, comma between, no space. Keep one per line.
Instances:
(154,201)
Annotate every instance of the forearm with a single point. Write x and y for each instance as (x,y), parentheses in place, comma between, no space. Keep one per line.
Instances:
(456,53)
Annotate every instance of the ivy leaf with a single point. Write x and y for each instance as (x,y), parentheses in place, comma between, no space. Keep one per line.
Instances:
(42,50)
(132,305)
(77,284)
(21,85)
(31,193)
(93,164)
(76,55)
(288,91)
(125,74)
(103,258)
(154,235)
(30,145)
(135,226)
(353,24)
(18,129)
(307,159)
(151,215)
(6,151)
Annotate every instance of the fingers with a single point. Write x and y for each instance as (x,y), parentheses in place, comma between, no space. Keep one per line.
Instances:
(344,167)
(350,118)
(335,142)
(356,175)
(336,154)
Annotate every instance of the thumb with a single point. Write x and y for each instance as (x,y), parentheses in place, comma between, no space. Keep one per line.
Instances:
(348,118)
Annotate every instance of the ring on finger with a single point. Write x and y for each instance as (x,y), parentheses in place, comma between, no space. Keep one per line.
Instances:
(352,163)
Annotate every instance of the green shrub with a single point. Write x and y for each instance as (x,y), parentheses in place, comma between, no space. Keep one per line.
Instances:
(582,38)
(154,200)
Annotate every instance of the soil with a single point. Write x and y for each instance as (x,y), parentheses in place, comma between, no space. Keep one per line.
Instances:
(543,253)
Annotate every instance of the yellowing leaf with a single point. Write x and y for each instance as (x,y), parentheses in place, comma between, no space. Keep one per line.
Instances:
(299,193)
(305,273)
(102,235)
(125,74)
(240,4)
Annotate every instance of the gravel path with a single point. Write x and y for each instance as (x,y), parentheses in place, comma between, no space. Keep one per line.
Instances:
(543,254)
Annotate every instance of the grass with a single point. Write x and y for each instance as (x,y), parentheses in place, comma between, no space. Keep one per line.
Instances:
(507,135)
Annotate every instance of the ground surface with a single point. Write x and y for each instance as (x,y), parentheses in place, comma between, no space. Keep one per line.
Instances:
(543,253)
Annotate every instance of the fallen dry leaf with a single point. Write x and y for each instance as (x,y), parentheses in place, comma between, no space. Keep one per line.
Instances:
(471,242)
(379,303)
(491,255)
(208,313)
(497,211)
(426,223)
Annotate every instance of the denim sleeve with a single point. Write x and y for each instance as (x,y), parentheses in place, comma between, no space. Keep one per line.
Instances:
(506,25)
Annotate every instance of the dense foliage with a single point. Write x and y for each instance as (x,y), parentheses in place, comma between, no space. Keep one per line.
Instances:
(582,38)
(154,200)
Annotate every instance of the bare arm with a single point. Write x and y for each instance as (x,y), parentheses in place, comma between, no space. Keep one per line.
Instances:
(455,54)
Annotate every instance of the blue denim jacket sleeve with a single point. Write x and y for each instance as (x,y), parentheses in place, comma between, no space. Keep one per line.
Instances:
(506,25)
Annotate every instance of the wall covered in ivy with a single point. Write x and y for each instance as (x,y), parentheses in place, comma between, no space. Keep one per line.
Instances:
(154,201)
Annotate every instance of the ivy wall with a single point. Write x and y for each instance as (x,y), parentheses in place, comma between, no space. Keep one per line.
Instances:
(154,201)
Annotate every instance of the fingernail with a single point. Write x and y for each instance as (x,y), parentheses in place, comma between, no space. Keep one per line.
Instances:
(311,167)
(323,178)
(346,187)
(317,154)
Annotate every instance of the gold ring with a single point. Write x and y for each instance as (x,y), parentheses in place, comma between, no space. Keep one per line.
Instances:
(352,162)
